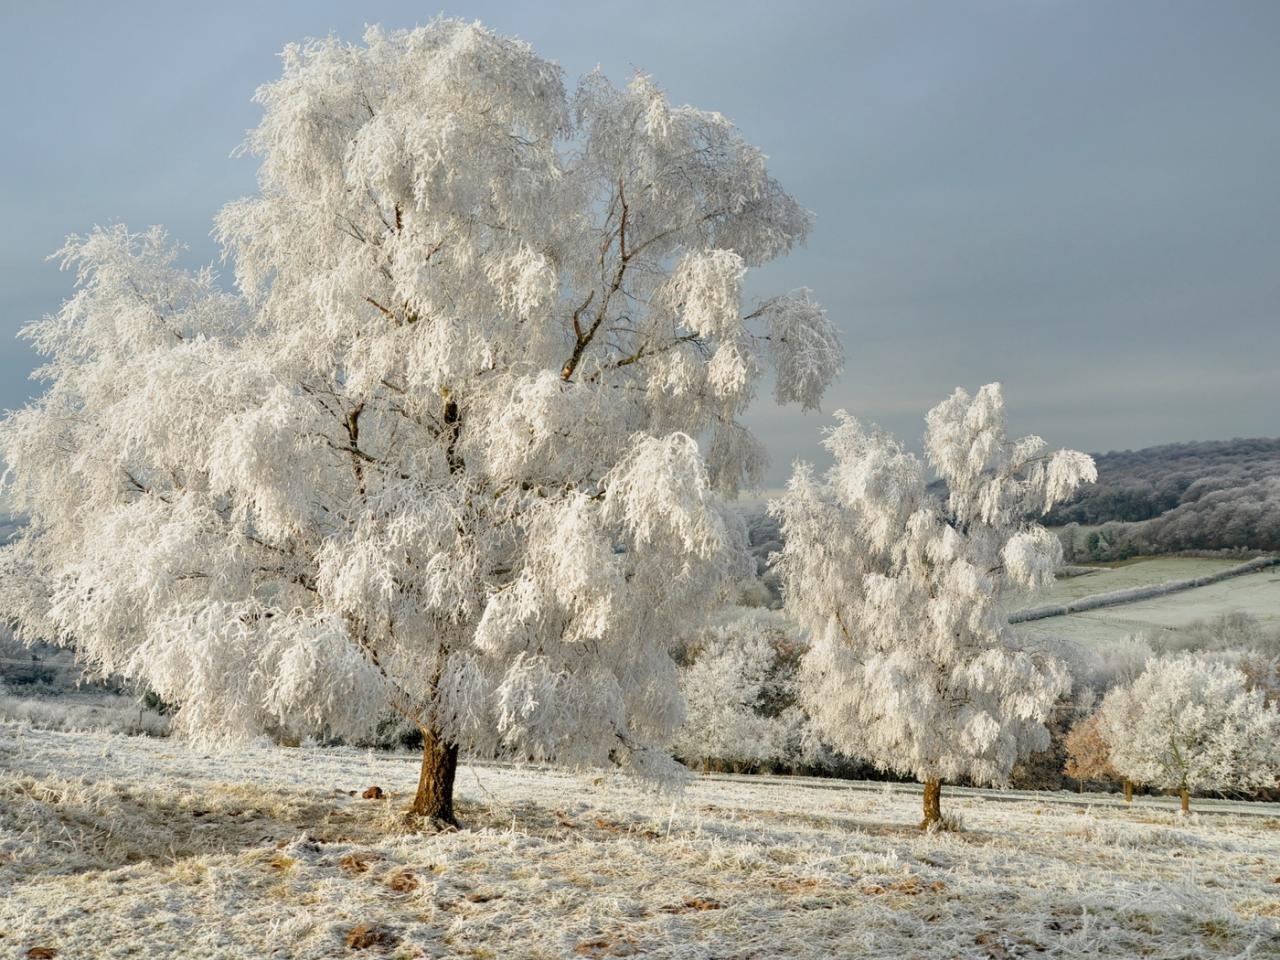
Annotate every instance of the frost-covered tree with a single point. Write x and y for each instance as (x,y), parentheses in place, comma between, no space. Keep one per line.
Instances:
(1191,723)
(913,664)
(738,683)
(440,451)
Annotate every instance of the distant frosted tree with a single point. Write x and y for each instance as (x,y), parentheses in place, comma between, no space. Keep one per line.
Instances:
(913,664)
(1121,662)
(737,684)
(438,452)
(1072,541)
(1191,723)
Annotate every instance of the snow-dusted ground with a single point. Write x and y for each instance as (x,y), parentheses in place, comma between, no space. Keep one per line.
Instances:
(113,847)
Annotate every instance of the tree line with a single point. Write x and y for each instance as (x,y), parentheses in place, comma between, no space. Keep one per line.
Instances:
(1219,496)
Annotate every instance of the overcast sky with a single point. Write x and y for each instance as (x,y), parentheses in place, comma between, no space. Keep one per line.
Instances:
(1079,199)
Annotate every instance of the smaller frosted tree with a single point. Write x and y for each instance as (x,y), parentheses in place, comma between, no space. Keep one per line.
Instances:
(1192,723)
(913,664)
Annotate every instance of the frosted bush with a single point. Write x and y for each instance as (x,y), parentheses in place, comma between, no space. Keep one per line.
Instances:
(1190,723)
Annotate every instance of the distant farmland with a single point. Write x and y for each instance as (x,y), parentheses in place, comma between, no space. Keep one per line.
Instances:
(1257,594)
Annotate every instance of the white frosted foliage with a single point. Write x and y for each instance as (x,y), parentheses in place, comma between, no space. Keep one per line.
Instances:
(1191,723)
(733,685)
(441,449)
(905,594)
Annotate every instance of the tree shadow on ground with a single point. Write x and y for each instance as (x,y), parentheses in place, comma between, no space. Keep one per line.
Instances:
(69,826)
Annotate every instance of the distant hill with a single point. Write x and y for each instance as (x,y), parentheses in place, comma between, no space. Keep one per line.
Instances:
(1138,485)
(1217,495)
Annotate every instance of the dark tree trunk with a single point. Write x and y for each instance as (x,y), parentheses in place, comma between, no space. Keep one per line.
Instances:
(434,799)
(1128,790)
(1186,800)
(932,803)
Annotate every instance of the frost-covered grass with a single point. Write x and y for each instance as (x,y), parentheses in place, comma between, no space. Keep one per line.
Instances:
(113,846)
(1257,594)
(90,711)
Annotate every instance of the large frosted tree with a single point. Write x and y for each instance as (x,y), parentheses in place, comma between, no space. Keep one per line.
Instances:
(439,452)
(905,592)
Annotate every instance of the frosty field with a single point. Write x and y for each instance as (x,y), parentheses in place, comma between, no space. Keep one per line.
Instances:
(113,846)
(1257,594)
(1122,576)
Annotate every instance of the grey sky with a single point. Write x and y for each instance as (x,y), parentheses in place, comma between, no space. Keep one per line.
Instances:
(1079,199)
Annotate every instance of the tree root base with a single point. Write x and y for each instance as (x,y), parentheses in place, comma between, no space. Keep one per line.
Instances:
(945,824)
(421,823)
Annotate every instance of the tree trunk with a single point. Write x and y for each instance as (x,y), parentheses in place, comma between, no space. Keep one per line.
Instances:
(932,803)
(1186,800)
(1128,790)
(434,799)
